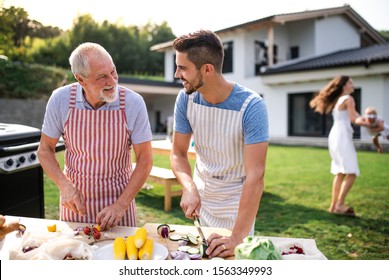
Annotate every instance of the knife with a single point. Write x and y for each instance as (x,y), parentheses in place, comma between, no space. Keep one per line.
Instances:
(197,225)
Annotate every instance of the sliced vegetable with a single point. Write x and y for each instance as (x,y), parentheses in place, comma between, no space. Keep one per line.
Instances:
(193,251)
(179,255)
(165,232)
(182,242)
(159,228)
(192,239)
(175,237)
(195,256)
(183,248)
(203,249)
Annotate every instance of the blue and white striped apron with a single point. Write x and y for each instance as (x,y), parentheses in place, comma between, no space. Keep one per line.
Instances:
(219,171)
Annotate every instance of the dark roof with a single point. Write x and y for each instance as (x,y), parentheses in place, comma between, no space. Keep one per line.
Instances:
(358,56)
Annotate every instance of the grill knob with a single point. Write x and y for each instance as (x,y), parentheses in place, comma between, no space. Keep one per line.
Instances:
(32,157)
(9,162)
(22,159)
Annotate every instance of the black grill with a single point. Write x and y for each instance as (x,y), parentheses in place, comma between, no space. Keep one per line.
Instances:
(21,175)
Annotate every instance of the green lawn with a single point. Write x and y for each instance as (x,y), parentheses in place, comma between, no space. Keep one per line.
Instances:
(295,202)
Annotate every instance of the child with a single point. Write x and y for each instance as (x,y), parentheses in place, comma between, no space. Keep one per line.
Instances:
(377,127)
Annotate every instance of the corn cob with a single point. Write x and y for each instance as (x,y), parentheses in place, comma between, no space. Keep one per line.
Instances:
(132,251)
(119,248)
(146,252)
(140,237)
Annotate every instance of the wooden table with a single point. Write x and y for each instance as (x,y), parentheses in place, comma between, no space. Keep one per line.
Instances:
(164,147)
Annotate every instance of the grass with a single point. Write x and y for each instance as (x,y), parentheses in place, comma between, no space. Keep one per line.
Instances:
(295,202)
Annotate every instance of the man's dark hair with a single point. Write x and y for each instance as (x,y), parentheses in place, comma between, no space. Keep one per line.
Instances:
(201,47)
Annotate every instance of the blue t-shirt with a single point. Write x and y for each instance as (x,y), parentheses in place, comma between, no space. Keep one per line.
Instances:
(255,120)
(58,107)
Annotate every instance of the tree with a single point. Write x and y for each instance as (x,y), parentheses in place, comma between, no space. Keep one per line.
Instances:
(15,27)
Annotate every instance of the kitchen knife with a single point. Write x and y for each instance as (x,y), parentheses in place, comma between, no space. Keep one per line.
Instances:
(197,225)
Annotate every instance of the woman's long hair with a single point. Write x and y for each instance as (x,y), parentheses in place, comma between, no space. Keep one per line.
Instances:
(325,100)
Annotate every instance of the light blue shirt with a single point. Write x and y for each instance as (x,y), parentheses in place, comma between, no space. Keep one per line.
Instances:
(255,119)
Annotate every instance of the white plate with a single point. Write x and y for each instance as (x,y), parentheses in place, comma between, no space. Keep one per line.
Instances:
(106,252)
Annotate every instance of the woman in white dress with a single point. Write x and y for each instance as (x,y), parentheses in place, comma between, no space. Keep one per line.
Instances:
(336,97)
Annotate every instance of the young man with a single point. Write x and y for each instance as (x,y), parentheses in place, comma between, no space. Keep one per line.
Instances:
(230,127)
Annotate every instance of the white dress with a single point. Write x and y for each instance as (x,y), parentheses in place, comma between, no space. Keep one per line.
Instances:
(340,142)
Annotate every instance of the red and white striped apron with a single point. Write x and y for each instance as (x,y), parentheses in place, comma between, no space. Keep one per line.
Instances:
(219,171)
(98,159)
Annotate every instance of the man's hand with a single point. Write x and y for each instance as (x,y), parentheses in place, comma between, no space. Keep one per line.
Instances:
(73,199)
(110,216)
(190,203)
(221,246)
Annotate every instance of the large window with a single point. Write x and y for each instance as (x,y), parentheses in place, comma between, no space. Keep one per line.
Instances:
(227,63)
(303,121)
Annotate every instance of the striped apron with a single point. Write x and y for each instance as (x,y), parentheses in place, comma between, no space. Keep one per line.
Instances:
(98,159)
(219,171)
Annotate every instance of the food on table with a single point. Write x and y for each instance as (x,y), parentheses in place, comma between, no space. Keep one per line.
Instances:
(6,228)
(257,248)
(52,228)
(119,248)
(51,246)
(146,251)
(132,251)
(127,248)
(294,250)
(140,237)
(92,231)
(159,228)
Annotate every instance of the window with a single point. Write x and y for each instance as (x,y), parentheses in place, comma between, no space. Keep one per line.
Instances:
(227,63)
(303,121)
(261,55)
(294,52)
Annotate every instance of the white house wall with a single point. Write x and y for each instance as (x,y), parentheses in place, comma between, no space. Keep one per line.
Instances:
(335,33)
(301,34)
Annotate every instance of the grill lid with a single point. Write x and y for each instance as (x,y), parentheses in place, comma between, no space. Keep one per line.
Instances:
(17,134)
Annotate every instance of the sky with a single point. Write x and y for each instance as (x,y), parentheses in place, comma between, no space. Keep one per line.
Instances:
(185,16)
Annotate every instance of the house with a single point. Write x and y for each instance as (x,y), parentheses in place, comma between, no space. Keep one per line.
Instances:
(288,57)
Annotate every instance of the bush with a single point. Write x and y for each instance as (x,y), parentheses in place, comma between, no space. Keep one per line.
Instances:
(30,81)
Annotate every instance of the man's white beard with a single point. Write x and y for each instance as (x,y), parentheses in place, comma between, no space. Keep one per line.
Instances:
(109,98)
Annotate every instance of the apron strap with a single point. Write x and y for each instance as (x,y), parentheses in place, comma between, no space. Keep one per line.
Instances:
(73,92)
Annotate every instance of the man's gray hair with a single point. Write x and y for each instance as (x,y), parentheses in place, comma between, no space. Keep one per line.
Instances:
(78,60)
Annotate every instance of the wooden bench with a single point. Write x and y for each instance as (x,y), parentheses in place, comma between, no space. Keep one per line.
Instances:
(166,178)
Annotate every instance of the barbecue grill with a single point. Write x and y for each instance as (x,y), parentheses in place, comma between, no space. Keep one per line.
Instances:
(21,175)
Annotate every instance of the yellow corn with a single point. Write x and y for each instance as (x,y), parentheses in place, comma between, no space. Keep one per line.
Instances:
(132,251)
(119,248)
(140,237)
(146,252)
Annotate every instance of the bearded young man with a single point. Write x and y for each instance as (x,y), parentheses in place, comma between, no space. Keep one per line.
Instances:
(229,123)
